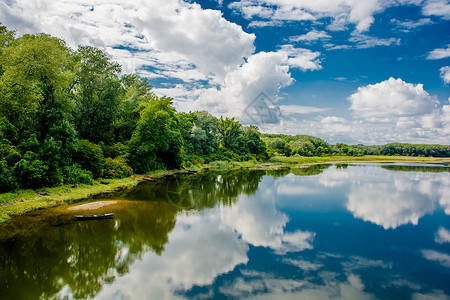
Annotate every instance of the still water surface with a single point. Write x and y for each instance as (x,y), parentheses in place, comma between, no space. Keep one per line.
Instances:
(324,232)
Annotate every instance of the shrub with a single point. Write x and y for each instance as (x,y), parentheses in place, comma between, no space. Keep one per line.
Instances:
(31,171)
(75,174)
(90,157)
(220,164)
(9,152)
(7,180)
(116,150)
(117,168)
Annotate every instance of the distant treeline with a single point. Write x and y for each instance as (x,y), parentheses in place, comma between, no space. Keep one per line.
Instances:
(304,145)
(69,117)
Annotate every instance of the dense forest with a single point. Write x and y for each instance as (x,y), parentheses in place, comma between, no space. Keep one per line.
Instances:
(69,117)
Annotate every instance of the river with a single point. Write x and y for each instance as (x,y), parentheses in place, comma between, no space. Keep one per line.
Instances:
(344,231)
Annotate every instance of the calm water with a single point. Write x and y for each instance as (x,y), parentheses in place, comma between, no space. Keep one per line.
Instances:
(325,232)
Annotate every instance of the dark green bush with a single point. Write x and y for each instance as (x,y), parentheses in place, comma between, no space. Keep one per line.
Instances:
(116,150)
(117,168)
(9,152)
(65,134)
(7,130)
(90,157)
(7,180)
(75,174)
(31,171)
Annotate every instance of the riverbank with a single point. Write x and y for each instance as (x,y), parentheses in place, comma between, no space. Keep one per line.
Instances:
(24,201)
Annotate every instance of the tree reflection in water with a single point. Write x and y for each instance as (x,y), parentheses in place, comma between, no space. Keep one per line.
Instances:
(78,258)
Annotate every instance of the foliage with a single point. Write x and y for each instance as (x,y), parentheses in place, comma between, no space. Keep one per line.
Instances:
(97,88)
(117,168)
(392,149)
(7,180)
(90,157)
(31,172)
(156,142)
(135,91)
(115,150)
(303,145)
(74,174)
(231,135)
(32,86)
(199,132)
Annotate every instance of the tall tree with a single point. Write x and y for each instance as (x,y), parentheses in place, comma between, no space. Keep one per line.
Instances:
(6,37)
(33,86)
(231,135)
(97,92)
(135,90)
(156,143)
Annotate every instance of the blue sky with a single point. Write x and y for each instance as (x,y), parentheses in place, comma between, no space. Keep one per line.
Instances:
(371,72)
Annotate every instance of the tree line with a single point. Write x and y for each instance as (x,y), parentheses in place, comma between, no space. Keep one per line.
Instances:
(70,117)
(304,145)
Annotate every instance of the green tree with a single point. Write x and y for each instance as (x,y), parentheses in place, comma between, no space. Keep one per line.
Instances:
(6,37)
(206,137)
(97,91)
(156,142)
(231,135)
(34,83)
(135,90)
(199,131)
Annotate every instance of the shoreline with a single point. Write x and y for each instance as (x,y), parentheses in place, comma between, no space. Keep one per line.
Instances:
(24,201)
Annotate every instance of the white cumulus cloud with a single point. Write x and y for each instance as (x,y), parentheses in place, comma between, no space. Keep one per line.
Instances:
(391,98)
(300,58)
(162,34)
(265,72)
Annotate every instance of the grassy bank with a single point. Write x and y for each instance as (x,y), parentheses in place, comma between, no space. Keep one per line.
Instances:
(23,201)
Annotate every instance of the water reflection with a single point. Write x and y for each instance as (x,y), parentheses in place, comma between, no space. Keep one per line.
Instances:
(198,251)
(336,233)
(392,199)
(437,168)
(79,258)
